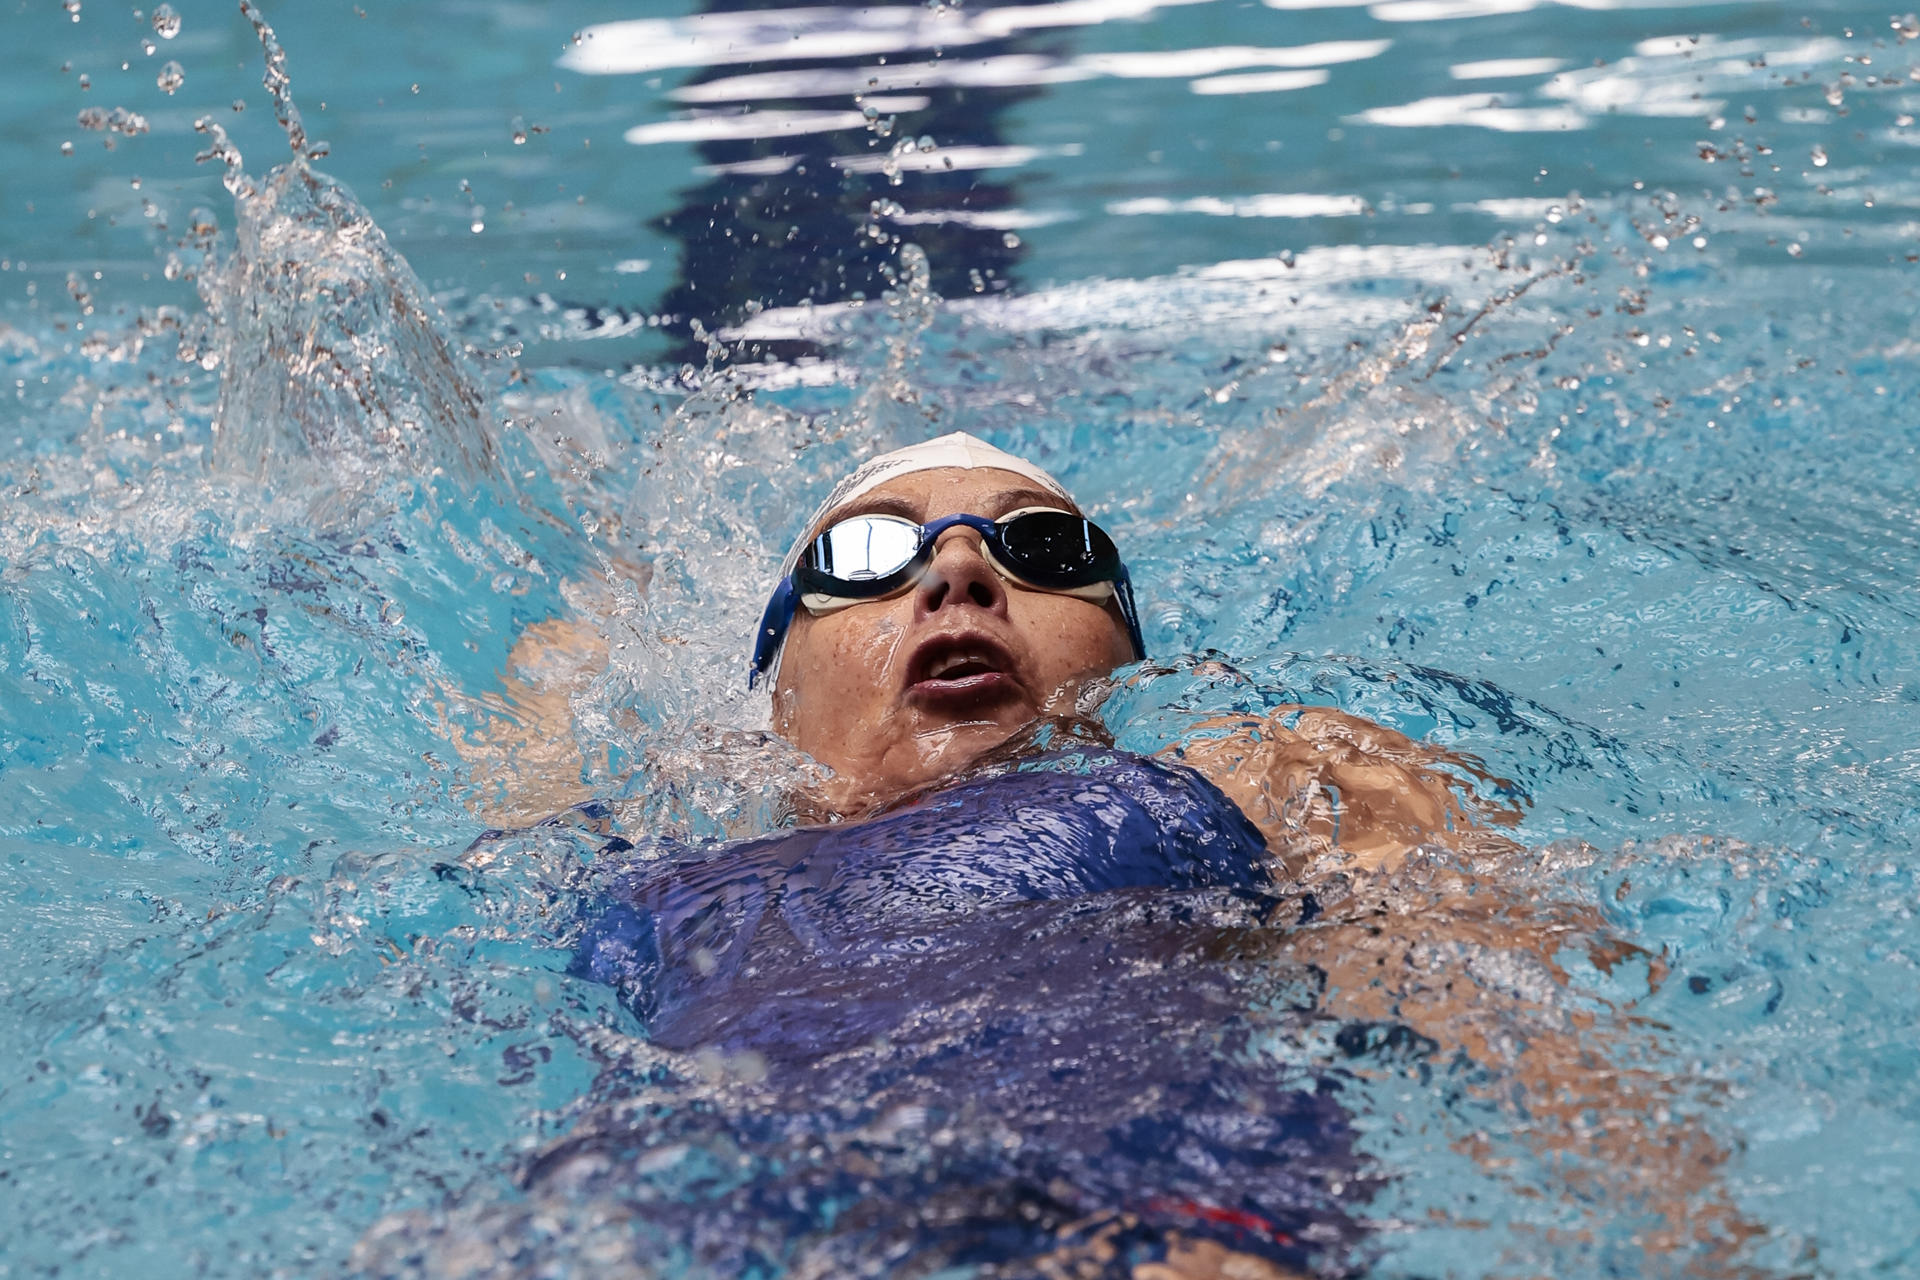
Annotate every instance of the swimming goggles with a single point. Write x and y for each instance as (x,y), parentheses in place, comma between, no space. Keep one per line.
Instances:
(867,557)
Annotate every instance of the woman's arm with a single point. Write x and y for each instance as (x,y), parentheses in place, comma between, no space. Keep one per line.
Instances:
(1449,947)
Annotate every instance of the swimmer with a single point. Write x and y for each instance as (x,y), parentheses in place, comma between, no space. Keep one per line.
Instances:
(949,594)
(928,640)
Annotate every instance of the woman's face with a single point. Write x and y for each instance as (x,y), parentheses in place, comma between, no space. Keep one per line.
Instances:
(897,692)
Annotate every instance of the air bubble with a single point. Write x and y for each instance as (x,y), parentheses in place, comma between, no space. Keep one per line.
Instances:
(166,21)
(172,76)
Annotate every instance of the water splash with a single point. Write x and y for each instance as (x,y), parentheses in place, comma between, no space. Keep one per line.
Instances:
(337,369)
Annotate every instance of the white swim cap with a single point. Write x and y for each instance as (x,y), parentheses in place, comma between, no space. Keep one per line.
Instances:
(958,450)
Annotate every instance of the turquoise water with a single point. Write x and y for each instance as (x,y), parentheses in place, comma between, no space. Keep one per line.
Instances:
(1533,378)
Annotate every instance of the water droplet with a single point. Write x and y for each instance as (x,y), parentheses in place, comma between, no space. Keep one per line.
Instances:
(1795,249)
(66,148)
(1010,240)
(166,21)
(477,227)
(1819,157)
(72,7)
(172,76)
(147,47)
(86,81)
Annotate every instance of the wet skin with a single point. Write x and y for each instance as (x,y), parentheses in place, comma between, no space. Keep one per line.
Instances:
(895,693)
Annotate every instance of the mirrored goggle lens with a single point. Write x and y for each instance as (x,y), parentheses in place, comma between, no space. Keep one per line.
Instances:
(1058,550)
(864,549)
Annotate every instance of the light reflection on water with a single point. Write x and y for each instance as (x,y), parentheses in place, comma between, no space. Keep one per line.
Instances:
(1610,489)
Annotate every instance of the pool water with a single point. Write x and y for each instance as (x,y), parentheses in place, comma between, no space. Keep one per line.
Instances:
(1533,378)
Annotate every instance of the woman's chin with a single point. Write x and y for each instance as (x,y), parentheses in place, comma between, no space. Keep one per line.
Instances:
(952,742)
(933,754)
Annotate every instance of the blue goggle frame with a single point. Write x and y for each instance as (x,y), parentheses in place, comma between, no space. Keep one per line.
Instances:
(821,591)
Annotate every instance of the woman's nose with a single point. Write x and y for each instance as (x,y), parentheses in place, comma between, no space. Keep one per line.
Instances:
(959,573)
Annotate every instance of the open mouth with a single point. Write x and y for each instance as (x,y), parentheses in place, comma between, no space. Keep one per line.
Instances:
(960,669)
(958,666)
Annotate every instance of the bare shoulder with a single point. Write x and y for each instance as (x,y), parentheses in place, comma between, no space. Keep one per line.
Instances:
(1318,781)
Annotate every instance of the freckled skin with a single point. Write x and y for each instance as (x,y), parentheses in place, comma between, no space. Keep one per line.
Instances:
(842,692)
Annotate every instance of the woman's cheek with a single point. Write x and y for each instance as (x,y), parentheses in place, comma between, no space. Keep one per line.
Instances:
(858,679)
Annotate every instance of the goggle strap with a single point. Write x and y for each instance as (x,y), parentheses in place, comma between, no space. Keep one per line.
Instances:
(1123,592)
(774,624)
